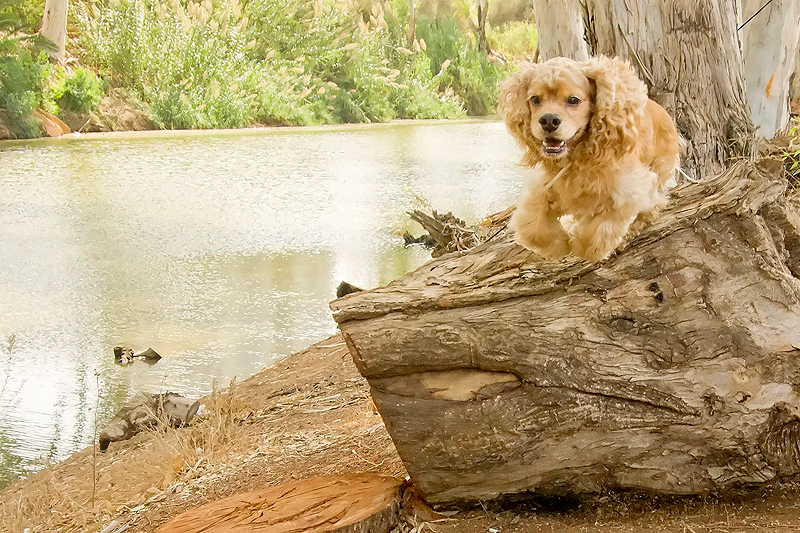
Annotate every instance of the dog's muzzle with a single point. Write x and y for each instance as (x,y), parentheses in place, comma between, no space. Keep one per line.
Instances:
(552,146)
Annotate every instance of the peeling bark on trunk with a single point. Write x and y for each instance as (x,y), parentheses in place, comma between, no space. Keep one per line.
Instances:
(769,49)
(560,29)
(673,366)
(687,51)
(54,26)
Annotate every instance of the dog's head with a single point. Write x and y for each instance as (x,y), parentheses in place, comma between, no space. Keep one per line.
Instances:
(561,108)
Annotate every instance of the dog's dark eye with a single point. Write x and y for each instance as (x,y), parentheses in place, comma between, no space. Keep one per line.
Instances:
(535,100)
(573,101)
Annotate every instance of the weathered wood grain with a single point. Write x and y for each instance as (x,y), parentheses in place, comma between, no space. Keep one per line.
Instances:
(672,366)
(363,503)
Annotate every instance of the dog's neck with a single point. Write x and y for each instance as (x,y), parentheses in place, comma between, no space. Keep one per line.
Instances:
(554,166)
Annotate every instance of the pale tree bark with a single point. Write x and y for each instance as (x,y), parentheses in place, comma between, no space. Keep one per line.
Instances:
(769,48)
(560,29)
(54,26)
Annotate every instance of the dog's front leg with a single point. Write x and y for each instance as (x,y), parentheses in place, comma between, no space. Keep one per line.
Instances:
(537,227)
(595,238)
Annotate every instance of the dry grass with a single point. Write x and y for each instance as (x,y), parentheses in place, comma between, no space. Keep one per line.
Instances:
(133,474)
(307,415)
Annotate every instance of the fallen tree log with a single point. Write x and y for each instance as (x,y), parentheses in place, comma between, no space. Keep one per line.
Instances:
(362,503)
(673,366)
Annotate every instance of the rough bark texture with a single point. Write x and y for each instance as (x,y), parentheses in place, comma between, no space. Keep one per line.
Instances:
(673,366)
(769,49)
(354,504)
(483,11)
(560,29)
(687,51)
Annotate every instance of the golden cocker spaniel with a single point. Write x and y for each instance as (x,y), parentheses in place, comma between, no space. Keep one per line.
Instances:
(601,155)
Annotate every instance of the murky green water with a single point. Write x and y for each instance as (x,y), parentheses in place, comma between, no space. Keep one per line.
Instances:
(219,251)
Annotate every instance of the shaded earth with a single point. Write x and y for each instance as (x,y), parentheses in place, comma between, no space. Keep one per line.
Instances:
(308,415)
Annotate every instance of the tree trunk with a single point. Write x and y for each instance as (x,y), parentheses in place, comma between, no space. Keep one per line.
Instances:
(412,24)
(353,504)
(769,49)
(687,51)
(54,26)
(795,88)
(560,31)
(483,11)
(672,366)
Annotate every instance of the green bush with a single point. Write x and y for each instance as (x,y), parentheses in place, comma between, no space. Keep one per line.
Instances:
(23,68)
(514,40)
(79,90)
(22,79)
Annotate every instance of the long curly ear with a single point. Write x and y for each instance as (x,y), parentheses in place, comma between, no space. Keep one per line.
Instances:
(619,102)
(513,107)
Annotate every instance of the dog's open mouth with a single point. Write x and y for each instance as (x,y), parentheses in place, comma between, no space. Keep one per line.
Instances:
(553,146)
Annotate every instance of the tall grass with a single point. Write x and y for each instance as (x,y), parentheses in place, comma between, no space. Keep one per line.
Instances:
(468,72)
(218,63)
(226,64)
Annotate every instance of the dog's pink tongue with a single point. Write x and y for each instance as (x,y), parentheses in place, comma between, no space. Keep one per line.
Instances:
(553,143)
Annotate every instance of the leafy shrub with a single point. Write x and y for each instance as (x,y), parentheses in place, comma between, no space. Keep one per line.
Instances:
(23,68)
(79,90)
(791,155)
(514,40)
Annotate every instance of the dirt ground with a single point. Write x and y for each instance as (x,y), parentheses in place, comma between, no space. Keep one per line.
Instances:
(310,415)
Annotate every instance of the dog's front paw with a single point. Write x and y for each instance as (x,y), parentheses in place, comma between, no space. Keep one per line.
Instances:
(593,252)
(554,250)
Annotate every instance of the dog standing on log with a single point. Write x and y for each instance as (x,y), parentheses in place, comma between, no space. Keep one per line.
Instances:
(602,155)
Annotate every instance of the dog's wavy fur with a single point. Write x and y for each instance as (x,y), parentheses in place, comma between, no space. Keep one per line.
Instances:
(607,164)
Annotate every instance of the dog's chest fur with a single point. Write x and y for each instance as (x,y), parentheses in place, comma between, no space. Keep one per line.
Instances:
(583,193)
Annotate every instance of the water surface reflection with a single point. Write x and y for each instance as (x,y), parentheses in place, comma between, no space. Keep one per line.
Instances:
(220,251)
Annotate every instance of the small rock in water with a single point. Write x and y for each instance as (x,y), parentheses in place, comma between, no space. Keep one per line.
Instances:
(124,355)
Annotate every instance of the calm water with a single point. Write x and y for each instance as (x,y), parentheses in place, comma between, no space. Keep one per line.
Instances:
(219,251)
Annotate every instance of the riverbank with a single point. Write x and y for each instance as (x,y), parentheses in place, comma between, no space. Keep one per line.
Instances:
(309,415)
(306,415)
(116,112)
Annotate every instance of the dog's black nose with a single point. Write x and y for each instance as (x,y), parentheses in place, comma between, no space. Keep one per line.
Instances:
(550,122)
